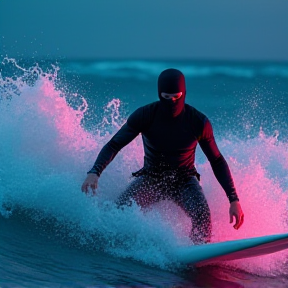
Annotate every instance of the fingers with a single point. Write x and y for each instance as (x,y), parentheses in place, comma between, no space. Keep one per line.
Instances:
(93,186)
(239,221)
(236,211)
(90,183)
(86,185)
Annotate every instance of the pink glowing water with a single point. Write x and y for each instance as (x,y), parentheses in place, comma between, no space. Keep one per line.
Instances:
(46,149)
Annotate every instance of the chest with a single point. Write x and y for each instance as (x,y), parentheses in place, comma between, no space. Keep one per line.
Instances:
(171,135)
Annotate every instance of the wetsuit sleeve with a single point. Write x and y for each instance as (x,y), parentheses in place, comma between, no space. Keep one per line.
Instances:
(218,163)
(124,136)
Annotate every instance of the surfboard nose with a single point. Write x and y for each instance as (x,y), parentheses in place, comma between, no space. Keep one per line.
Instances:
(232,250)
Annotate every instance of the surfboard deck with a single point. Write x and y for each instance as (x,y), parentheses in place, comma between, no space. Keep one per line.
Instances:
(232,250)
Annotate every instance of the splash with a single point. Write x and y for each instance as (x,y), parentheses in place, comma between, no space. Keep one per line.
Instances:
(259,167)
(45,151)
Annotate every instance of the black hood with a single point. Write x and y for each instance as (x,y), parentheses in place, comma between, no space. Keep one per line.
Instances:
(172,81)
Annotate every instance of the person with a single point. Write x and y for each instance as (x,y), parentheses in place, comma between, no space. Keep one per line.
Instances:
(171,130)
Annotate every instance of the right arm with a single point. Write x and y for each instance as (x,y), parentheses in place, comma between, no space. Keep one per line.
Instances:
(129,131)
(222,173)
(123,137)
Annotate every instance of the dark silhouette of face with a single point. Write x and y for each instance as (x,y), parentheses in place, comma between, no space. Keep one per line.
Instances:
(171,83)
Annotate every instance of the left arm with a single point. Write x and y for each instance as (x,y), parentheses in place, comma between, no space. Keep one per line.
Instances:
(222,172)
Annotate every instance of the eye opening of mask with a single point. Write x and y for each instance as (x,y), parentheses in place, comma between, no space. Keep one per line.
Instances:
(173,96)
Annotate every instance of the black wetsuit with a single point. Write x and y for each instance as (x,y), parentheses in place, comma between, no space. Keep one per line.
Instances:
(170,135)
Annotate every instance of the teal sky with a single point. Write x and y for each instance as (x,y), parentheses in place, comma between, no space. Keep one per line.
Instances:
(195,29)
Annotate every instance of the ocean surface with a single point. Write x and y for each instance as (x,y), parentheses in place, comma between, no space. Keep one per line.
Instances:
(56,115)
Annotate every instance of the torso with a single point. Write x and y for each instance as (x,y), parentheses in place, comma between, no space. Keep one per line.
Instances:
(172,140)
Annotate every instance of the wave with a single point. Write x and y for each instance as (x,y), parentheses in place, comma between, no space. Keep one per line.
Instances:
(45,152)
(150,69)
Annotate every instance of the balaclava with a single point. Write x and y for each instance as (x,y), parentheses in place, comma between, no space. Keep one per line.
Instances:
(172,81)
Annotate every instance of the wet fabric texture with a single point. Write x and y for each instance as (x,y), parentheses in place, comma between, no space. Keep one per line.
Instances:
(171,131)
(170,143)
(186,192)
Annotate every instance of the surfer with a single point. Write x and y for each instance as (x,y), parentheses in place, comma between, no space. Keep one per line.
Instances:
(171,130)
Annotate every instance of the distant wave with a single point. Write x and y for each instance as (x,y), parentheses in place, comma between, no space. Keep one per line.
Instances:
(146,69)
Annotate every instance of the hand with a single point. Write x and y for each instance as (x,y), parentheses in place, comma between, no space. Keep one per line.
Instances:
(91,181)
(236,211)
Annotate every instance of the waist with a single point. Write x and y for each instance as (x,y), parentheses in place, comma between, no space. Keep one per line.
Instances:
(164,170)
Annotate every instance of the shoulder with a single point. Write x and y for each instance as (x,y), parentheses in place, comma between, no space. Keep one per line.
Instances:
(142,116)
(150,107)
(144,110)
(195,114)
(199,121)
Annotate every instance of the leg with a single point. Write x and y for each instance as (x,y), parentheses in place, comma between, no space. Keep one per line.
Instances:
(144,190)
(192,200)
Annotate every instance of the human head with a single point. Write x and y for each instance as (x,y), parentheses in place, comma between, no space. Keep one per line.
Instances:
(172,81)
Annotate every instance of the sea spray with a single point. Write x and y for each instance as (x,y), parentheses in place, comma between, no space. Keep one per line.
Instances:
(46,150)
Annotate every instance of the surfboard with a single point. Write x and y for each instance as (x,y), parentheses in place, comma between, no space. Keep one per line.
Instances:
(232,250)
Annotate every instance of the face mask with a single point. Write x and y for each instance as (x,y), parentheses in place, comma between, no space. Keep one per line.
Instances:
(171,83)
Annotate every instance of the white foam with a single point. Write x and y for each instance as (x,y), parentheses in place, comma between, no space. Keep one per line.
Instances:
(45,153)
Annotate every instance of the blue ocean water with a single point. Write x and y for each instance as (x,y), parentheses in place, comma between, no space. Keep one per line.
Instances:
(56,116)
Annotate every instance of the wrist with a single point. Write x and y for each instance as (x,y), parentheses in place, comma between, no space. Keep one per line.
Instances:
(233,198)
(93,171)
(234,202)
